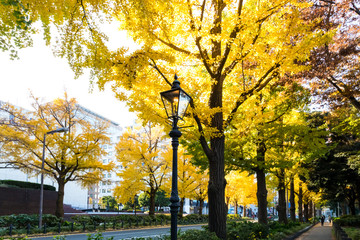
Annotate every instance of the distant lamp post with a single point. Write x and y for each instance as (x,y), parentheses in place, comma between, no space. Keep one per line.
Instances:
(42,172)
(176,102)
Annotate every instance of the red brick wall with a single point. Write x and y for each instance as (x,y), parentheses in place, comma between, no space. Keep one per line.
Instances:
(24,200)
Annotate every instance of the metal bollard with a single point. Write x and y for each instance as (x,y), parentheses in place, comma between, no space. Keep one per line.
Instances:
(104,225)
(122,224)
(28,228)
(44,228)
(10,229)
(83,226)
(114,224)
(72,227)
(59,227)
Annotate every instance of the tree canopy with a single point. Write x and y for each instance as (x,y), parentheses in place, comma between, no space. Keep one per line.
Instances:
(71,156)
(226,51)
(146,163)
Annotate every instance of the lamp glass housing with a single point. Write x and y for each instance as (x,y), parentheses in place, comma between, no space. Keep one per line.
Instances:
(176,102)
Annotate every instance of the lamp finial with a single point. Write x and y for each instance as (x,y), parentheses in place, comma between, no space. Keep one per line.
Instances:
(176,83)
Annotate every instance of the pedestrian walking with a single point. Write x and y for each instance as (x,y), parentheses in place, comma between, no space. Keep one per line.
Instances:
(329,219)
(322,220)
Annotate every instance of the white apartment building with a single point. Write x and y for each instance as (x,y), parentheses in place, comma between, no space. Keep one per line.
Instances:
(110,179)
(75,195)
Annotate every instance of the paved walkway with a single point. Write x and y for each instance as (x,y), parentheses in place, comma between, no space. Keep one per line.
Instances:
(318,232)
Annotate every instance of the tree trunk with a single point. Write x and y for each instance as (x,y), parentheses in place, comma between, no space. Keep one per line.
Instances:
(152,195)
(311,209)
(292,200)
(352,206)
(216,188)
(306,212)
(244,211)
(201,207)
(236,208)
(343,208)
(261,193)
(282,197)
(59,211)
(181,210)
(300,203)
(227,201)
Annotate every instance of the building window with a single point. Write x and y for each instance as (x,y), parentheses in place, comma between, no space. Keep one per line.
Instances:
(108,190)
(109,174)
(103,190)
(104,161)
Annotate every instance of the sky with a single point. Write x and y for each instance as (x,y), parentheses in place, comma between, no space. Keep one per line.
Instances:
(48,77)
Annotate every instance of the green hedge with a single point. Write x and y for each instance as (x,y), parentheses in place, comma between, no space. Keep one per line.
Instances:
(246,230)
(21,184)
(22,220)
(348,220)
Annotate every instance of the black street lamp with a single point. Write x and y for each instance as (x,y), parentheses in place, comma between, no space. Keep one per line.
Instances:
(42,172)
(176,102)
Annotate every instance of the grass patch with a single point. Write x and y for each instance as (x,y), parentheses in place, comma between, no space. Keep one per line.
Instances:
(352,232)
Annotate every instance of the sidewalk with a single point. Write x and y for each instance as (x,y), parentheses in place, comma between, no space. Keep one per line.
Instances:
(318,232)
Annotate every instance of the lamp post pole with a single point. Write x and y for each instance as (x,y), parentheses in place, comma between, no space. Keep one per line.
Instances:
(174,198)
(176,102)
(42,172)
(42,183)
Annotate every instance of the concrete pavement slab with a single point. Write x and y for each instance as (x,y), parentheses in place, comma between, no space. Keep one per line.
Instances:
(318,232)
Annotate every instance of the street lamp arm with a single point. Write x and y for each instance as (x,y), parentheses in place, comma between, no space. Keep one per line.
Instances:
(63,129)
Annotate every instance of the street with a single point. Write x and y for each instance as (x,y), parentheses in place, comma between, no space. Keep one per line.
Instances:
(126,234)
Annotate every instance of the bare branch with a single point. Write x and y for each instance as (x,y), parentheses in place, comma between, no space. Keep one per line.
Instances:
(157,69)
(345,93)
(261,83)
(202,139)
(176,48)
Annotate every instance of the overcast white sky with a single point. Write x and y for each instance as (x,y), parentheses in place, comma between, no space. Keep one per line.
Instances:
(48,77)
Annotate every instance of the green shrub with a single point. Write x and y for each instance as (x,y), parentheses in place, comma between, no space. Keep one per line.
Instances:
(81,219)
(193,218)
(233,217)
(348,220)
(352,232)
(247,230)
(59,237)
(197,234)
(22,220)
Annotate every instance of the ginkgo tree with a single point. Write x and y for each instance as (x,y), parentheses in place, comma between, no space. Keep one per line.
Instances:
(186,178)
(225,51)
(72,156)
(241,189)
(200,191)
(142,153)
